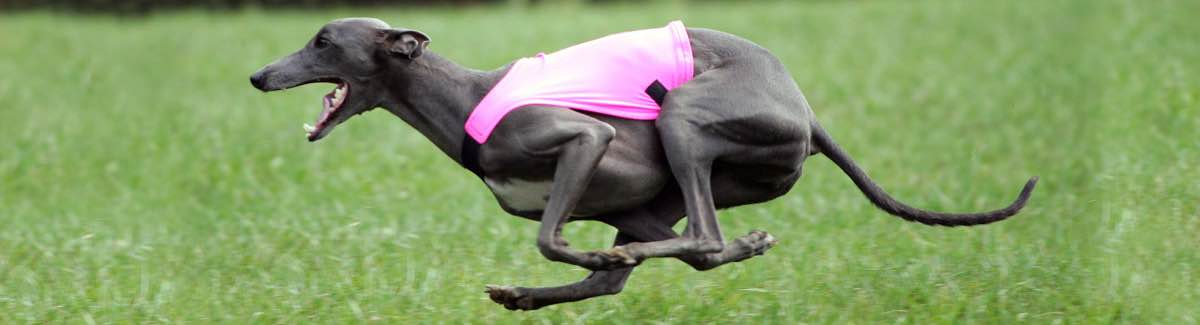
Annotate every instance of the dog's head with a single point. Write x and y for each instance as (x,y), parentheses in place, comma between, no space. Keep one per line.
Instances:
(349,53)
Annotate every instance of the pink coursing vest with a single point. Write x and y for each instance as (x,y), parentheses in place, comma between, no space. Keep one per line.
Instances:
(614,75)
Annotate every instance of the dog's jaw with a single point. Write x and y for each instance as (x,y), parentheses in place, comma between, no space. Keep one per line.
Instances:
(330,109)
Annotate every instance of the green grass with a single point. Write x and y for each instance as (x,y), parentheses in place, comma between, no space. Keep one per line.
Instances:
(144,180)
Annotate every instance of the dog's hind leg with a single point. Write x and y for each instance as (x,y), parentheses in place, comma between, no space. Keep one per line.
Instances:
(738,129)
(598,283)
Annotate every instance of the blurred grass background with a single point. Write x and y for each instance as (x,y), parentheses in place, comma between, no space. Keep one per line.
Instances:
(143,180)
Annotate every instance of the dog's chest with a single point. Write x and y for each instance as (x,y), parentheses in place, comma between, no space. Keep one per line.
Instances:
(519,194)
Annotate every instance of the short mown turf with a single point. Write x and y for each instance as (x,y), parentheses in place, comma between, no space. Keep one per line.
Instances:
(143,180)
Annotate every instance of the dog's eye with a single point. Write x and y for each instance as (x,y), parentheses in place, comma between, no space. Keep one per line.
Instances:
(321,43)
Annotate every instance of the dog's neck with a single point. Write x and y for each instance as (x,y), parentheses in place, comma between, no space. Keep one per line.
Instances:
(435,96)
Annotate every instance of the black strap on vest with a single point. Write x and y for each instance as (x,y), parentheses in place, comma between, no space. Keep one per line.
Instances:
(470,156)
(470,148)
(657,92)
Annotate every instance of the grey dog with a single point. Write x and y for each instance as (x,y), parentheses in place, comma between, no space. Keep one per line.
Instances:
(736,134)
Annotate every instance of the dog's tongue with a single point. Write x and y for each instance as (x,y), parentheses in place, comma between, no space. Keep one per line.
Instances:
(327,108)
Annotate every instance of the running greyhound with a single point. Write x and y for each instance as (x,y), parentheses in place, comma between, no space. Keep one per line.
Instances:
(730,129)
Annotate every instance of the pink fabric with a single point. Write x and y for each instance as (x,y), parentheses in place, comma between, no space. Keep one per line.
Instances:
(608,76)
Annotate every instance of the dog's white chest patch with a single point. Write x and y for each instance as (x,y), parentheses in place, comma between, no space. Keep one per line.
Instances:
(521,195)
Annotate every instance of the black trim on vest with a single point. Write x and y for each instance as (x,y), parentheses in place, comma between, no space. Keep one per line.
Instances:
(470,156)
(657,92)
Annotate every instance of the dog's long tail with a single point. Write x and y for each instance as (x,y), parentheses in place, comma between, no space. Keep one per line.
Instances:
(885,202)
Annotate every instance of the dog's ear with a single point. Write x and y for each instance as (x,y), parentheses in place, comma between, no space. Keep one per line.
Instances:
(403,42)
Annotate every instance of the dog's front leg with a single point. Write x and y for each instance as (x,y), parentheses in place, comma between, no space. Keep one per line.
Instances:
(577,142)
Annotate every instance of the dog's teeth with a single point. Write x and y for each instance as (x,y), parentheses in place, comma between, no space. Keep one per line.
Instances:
(309,128)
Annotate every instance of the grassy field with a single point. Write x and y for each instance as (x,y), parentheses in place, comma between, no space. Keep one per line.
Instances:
(143,180)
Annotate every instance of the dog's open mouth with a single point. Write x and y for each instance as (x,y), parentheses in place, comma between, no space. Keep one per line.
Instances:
(330,105)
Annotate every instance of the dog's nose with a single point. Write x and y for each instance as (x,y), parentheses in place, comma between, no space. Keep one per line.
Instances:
(258,79)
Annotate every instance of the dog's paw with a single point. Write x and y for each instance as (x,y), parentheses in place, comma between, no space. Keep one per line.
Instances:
(756,243)
(611,259)
(512,298)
